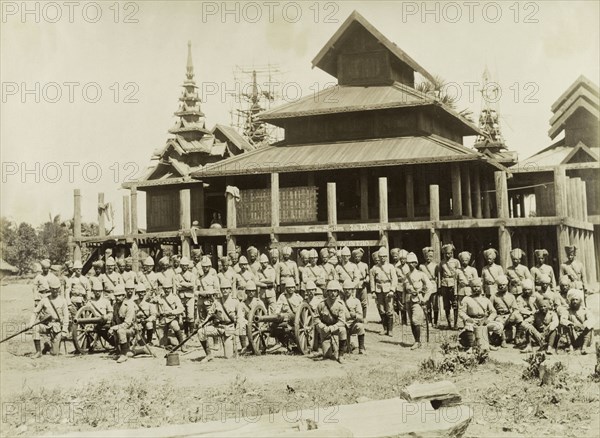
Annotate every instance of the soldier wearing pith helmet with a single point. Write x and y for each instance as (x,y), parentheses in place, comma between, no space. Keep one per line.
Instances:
(383,283)
(447,280)
(430,269)
(148,277)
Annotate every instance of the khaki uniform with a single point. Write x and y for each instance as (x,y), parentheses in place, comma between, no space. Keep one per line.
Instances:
(422,289)
(232,276)
(40,286)
(287,269)
(58,310)
(242,278)
(574,270)
(102,307)
(186,289)
(538,271)
(129,275)
(210,281)
(267,294)
(287,307)
(78,291)
(354,318)
(447,274)
(146,314)
(489,277)
(384,282)
(516,275)
(149,280)
(124,319)
(331,322)
(348,271)
(170,309)
(362,289)
(479,316)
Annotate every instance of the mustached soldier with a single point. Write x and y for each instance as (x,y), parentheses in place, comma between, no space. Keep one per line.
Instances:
(53,308)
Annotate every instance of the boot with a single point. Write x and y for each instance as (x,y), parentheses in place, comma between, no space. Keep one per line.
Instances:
(447,312)
(124,353)
(208,352)
(361,344)
(343,347)
(180,339)
(149,336)
(390,325)
(455,319)
(403,317)
(384,323)
(244,344)
(38,349)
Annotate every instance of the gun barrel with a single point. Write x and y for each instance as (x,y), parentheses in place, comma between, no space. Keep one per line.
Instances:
(268,318)
(93,320)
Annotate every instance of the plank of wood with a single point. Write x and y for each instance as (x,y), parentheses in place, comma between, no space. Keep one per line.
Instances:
(439,394)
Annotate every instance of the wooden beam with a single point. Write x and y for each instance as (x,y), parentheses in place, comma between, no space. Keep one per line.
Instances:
(126,217)
(101,216)
(504,246)
(410,192)
(364,194)
(231,212)
(434,216)
(201,199)
(185,209)
(77,214)
(584,202)
(274,199)
(593,261)
(331,203)
(522,204)
(487,207)
(466,181)
(477,192)
(135,256)
(134,210)
(383,200)
(501,194)
(571,199)
(456,190)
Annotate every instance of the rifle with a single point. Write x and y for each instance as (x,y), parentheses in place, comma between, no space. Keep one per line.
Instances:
(209,319)
(42,321)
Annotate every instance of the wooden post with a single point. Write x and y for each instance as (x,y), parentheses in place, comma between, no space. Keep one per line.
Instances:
(560,202)
(201,206)
(77,214)
(101,223)
(185,220)
(134,210)
(456,190)
(383,200)
(310,179)
(434,217)
(466,180)
(274,199)
(504,243)
(487,208)
(135,256)
(477,192)
(501,194)
(410,192)
(331,204)
(77,252)
(584,204)
(126,217)
(593,262)
(231,213)
(364,194)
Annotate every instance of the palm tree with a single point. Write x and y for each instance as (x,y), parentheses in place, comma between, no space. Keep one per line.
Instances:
(438,90)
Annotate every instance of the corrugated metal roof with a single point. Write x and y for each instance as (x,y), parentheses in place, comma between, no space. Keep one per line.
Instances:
(548,157)
(349,154)
(340,98)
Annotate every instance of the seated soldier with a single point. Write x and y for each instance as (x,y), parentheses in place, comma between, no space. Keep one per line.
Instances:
(169,310)
(331,323)
(288,302)
(478,315)
(53,310)
(217,323)
(186,285)
(545,323)
(579,321)
(146,313)
(547,292)
(123,323)
(354,316)
(527,305)
(99,302)
(507,311)
(314,295)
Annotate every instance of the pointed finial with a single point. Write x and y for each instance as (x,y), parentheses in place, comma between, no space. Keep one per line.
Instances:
(190,65)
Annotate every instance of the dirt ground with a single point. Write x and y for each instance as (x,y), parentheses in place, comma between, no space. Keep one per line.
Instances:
(32,391)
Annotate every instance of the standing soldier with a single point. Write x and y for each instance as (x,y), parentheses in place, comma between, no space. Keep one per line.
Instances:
(541,255)
(209,280)
(573,268)
(507,310)
(149,279)
(186,289)
(53,309)
(169,310)
(253,263)
(324,255)
(399,262)
(247,305)
(196,259)
(490,272)
(98,267)
(176,263)
(354,318)
(287,268)
(274,260)
(479,317)
(347,270)
(564,285)
(430,268)
(226,271)
(40,282)
(146,314)
(123,324)
(120,269)
(234,322)
(111,278)
(78,289)
(234,256)
(447,274)
(517,272)
(128,273)
(362,290)
(313,272)
(329,268)
(246,274)
(331,323)
(383,283)
(464,274)
(266,284)
(418,291)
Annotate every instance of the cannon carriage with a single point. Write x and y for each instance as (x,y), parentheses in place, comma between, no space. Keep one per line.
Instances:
(264,330)
(89,331)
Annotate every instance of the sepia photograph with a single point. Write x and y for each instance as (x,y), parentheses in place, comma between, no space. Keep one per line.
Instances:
(300,218)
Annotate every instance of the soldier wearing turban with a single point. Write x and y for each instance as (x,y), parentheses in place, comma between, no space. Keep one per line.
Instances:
(540,268)
(490,272)
(517,272)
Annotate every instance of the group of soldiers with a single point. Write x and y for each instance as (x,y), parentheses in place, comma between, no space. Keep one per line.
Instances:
(178,296)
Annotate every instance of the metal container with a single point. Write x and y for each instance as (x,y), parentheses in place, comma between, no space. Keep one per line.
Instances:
(172,359)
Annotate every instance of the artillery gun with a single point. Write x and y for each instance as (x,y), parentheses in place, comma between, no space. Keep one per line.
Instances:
(90,331)
(265,330)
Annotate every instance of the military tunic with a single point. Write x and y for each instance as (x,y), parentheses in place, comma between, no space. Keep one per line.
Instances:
(489,276)
(516,275)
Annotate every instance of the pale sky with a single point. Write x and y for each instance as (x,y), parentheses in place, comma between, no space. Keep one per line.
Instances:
(534,50)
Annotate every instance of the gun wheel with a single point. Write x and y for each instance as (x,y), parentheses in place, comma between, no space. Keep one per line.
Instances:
(88,337)
(257,331)
(304,328)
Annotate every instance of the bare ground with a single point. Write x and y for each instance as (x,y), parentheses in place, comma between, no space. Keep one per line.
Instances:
(71,393)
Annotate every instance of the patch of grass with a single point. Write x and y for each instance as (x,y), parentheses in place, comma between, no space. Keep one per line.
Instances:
(454,360)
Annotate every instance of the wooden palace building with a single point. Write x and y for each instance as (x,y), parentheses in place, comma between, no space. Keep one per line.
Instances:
(369,162)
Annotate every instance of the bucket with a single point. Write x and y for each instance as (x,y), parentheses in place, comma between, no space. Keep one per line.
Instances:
(172,359)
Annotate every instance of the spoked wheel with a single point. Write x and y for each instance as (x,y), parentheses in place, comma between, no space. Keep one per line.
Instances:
(88,337)
(258,332)
(304,328)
